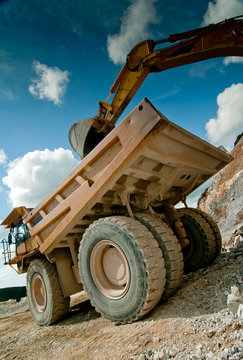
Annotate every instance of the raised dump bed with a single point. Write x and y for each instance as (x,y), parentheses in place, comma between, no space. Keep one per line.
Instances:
(145,166)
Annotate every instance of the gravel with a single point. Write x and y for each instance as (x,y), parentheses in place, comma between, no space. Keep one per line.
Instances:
(194,324)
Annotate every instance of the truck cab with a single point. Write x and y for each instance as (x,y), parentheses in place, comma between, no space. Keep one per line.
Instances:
(18,232)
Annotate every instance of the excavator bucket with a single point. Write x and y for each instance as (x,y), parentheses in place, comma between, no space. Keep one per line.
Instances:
(83,137)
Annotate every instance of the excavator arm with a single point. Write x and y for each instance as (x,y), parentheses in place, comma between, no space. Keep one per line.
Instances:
(216,40)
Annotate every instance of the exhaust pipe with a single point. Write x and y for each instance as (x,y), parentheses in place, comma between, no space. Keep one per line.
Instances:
(83,137)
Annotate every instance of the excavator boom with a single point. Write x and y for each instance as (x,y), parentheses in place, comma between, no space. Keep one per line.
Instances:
(215,40)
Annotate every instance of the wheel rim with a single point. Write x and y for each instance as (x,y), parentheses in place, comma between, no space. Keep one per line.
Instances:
(110,270)
(39,293)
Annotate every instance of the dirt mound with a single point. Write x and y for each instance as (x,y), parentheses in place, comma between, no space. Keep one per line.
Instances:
(194,324)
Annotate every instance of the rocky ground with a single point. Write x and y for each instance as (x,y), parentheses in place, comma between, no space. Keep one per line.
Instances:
(196,323)
(224,198)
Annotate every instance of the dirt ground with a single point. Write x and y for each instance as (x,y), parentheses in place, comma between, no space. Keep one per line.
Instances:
(194,324)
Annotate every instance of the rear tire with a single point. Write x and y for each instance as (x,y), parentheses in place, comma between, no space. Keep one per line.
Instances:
(46,301)
(216,233)
(202,245)
(171,251)
(122,268)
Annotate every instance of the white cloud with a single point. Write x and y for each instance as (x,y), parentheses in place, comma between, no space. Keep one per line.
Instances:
(219,10)
(51,83)
(3,235)
(134,28)
(9,278)
(232,60)
(3,157)
(229,121)
(32,176)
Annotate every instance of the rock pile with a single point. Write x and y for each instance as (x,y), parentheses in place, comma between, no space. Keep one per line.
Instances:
(221,335)
(223,200)
(235,299)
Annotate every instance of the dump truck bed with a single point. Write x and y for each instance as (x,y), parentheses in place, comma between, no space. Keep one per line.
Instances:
(145,160)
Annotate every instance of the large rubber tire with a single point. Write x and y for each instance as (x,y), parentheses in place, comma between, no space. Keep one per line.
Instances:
(46,301)
(122,268)
(216,234)
(171,250)
(201,248)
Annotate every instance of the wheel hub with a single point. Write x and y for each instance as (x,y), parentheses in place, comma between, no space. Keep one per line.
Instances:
(38,290)
(115,266)
(110,270)
(189,249)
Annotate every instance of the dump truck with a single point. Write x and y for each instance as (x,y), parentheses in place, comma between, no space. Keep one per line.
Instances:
(110,227)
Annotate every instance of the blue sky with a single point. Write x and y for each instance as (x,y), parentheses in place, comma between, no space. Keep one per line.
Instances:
(58,59)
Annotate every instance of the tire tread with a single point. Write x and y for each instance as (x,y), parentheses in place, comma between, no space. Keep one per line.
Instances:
(60,304)
(147,247)
(169,244)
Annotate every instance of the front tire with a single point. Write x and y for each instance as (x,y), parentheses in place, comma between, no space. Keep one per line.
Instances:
(122,268)
(46,301)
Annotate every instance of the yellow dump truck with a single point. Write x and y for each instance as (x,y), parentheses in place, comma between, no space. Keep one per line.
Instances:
(110,227)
